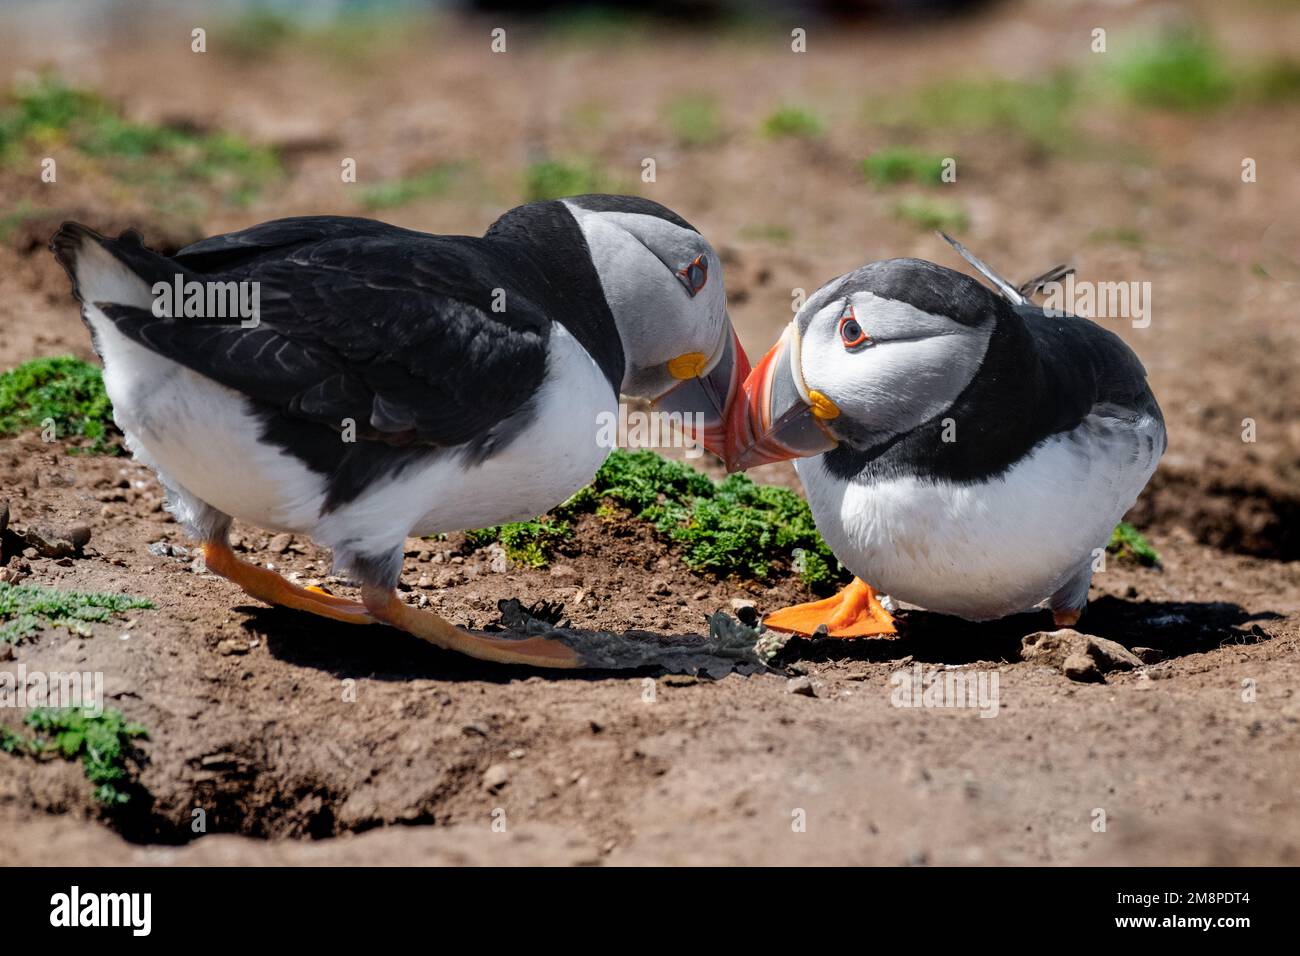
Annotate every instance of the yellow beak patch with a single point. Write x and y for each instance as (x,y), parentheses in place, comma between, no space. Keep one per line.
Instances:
(690,365)
(822,406)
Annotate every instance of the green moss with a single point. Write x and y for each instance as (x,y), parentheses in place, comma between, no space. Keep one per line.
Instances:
(1127,543)
(101,742)
(527,543)
(1178,71)
(1275,81)
(22,213)
(767,232)
(901,164)
(931,214)
(1122,234)
(793,122)
(728,528)
(1039,111)
(695,120)
(555,179)
(256,33)
(64,391)
(49,112)
(432,183)
(26,609)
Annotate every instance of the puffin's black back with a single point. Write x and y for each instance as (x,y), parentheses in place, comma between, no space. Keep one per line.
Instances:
(1040,376)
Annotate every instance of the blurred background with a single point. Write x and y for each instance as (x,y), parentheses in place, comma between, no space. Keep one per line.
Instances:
(803,139)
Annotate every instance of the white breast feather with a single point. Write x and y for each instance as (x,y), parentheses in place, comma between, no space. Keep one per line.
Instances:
(985,550)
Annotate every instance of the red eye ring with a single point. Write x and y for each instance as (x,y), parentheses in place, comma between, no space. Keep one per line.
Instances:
(851,333)
(695,275)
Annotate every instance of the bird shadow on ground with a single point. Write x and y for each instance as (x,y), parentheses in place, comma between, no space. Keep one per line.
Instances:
(385,653)
(1175,628)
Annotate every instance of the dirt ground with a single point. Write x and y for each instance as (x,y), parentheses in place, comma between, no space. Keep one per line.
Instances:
(309,742)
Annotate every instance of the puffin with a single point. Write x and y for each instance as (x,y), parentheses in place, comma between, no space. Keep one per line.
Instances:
(388,383)
(961,449)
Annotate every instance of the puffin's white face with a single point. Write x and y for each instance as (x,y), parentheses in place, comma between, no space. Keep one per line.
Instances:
(853,366)
(663,284)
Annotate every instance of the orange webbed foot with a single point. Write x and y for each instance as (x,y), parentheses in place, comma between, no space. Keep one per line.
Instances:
(854,612)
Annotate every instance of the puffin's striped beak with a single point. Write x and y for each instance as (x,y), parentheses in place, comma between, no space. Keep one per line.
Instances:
(707,391)
(776,417)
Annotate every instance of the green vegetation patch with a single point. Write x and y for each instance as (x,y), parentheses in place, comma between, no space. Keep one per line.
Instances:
(931,214)
(26,609)
(429,184)
(767,232)
(555,179)
(64,392)
(102,742)
(902,164)
(793,122)
(1177,71)
(50,113)
(733,527)
(695,120)
(1038,111)
(528,543)
(1129,544)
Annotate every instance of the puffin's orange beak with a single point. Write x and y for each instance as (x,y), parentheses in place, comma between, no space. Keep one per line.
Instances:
(776,417)
(711,393)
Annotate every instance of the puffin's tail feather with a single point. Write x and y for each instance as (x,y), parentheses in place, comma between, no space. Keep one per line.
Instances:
(1016,295)
(1055,274)
(1009,292)
(105,271)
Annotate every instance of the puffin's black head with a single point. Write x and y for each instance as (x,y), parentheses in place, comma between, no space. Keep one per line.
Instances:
(871,355)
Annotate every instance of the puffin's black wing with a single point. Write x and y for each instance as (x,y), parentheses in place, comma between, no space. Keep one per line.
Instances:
(1085,366)
(267,239)
(410,336)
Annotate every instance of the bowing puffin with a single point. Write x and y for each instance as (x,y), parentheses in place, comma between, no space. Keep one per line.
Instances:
(960,449)
(395,383)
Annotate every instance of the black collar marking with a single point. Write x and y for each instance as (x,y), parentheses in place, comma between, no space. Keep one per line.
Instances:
(1041,376)
(545,248)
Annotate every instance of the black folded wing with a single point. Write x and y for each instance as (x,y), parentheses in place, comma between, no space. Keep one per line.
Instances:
(412,337)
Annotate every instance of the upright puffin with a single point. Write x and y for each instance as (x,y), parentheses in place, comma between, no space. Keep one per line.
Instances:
(397,383)
(962,450)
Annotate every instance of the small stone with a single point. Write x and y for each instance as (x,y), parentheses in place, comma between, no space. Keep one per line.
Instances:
(700,595)
(517,754)
(422,581)
(660,587)
(1148,655)
(6,651)
(563,572)
(800,685)
(279,543)
(495,778)
(497,562)
(476,728)
(1111,655)
(1051,648)
(232,648)
(1082,668)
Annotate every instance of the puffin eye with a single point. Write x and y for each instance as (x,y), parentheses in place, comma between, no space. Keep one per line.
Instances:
(851,333)
(695,275)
